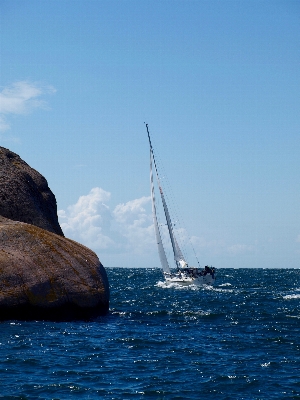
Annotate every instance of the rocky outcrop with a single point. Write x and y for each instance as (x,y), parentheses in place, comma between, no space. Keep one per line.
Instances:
(25,195)
(43,275)
(46,276)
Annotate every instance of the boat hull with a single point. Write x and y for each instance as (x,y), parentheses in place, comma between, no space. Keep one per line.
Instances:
(188,280)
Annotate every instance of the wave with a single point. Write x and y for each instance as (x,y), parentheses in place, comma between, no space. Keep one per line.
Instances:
(291,296)
(178,286)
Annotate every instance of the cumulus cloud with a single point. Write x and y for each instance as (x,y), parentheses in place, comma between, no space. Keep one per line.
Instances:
(91,222)
(21,98)
(127,229)
(134,222)
(88,220)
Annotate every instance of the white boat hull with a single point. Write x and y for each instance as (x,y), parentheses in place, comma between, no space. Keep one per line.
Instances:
(184,280)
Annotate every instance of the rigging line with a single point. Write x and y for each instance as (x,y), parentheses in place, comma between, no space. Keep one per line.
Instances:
(172,205)
(156,169)
(174,209)
(185,240)
(169,222)
(194,252)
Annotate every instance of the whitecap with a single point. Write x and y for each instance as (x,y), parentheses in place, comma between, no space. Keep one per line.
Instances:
(291,296)
(223,290)
(166,285)
(267,364)
(178,286)
(173,285)
(199,313)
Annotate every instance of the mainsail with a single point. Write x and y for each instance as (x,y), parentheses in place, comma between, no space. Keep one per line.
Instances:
(161,250)
(178,257)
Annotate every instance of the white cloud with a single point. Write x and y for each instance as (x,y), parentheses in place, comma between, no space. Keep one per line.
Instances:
(91,222)
(132,210)
(87,220)
(134,222)
(21,98)
(127,231)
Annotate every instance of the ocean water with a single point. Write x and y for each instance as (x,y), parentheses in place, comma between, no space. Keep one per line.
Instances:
(237,340)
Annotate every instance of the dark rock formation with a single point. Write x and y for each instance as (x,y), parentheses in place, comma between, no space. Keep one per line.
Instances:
(25,195)
(46,276)
(43,275)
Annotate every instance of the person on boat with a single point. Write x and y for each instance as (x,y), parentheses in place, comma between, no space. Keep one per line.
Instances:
(207,270)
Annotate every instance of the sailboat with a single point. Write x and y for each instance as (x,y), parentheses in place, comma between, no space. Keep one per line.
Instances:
(181,273)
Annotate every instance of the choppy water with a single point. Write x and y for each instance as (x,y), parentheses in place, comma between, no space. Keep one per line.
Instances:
(238,340)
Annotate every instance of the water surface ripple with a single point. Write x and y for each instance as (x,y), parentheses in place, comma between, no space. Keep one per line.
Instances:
(237,340)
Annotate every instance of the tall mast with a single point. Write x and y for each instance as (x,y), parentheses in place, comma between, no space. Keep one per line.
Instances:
(151,149)
(169,223)
(161,250)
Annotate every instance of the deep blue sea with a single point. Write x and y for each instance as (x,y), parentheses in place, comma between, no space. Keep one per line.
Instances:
(237,340)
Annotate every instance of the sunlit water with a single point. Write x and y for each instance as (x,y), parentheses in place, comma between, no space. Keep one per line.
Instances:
(237,340)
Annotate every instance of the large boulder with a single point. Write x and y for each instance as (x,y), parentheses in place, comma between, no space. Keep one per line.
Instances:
(43,275)
(46,276)
(25,195)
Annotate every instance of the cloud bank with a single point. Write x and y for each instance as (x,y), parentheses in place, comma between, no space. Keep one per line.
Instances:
(127,230)
(21,98)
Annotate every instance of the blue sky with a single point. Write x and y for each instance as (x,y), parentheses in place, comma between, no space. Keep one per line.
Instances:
(217,82)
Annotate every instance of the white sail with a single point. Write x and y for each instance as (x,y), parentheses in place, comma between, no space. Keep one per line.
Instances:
(161,250)
(184,275)
(178,256)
